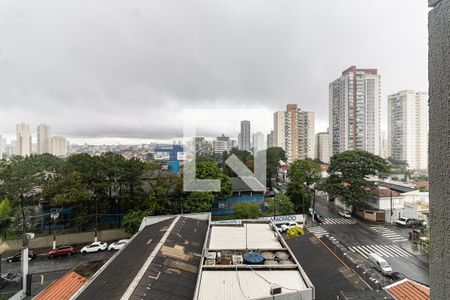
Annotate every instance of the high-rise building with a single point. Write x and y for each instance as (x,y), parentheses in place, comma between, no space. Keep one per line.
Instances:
(354,111)
(294,132)
(223,143)
(323,147)
(43,138)
(244,137)
(24,142)
(258,142)
(270,140)
(384,145)
(408,128)
(58,146)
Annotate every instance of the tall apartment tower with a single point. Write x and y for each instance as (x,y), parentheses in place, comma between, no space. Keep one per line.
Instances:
(24,142)
(43,138)
(354,111)
(270,140)
(408,128)
(244,137)
(58,146)
(323,147)
(294,132)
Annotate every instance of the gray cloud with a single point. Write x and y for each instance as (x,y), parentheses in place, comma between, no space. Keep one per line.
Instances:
(127,69)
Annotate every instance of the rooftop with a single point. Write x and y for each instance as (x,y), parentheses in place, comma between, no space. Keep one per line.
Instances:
(249,260)
(407,289)
(246,184)
(63,288)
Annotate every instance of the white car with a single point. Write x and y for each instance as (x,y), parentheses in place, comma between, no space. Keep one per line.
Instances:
(117,245)
(345,214)
(287,226)
(94,247)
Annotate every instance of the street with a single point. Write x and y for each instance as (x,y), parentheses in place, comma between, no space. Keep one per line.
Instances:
(361,238)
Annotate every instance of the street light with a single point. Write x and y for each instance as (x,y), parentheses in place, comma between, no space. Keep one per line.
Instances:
(54,215)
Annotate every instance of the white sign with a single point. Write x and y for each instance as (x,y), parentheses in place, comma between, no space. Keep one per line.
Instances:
(284,219)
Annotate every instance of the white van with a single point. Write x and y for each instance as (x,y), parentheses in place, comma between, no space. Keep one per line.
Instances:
(380,263)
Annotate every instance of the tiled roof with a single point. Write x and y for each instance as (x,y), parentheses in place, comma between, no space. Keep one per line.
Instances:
(63,288)
(408,290)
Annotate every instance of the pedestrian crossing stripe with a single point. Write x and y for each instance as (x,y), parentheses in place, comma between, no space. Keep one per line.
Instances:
(382,250)
(388,233)
(318,231)
(339,221)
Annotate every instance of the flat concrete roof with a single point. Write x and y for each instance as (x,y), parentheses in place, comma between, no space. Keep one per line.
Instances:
(225,285)
(245,236)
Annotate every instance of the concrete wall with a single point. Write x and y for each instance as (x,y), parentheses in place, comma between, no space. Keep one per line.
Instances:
(439,146)
(71,238)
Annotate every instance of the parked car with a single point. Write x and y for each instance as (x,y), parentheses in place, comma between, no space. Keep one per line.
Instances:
(94,247)
(415,223)
(318,218)
(117,245)
(396,276)
(401,221)
(270,194)
(287,226)
(17,257)
(62,251)
(345,214)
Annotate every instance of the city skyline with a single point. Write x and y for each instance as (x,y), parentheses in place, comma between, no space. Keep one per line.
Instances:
(70,85)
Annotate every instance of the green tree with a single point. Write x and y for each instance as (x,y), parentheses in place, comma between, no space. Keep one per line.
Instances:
(5,216)
(304,175)
(281,204)
(198,202)
(348,175)
(133,220)
(247,210)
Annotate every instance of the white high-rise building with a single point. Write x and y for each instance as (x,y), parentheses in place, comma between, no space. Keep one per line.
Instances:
(354,111)
(408,128)
(58,146)
(258,142)
(323,147)
(294,132)
(24,142)
(244,137)
(43,138)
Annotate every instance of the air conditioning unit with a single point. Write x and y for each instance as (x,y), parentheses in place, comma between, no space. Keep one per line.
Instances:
(211,255)
(219,257)
(237,259)
(210,262)
(275,289)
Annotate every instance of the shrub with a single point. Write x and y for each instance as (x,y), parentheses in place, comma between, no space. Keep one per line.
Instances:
(295,232)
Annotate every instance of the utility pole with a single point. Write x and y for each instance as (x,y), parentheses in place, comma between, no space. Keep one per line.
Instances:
(390,193)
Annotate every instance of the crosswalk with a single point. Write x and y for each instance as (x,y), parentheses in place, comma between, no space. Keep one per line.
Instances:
(382,250)
(339,221)
(388,233)
(318,231)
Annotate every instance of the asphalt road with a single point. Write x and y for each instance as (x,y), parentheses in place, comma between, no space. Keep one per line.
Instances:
(387,239)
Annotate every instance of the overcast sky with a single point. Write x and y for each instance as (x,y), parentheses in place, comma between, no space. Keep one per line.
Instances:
(105,70)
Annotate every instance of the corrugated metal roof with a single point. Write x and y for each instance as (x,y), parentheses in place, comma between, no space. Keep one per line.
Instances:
(63,288)
(224,285)
(114,280)
(408,290)
(256,236)
(173,272)
(246,184)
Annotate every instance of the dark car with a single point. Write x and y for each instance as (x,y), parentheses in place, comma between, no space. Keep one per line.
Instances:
(66,250)
(10,277)
(31,254)
(415,223)
(318,218)
(396,276)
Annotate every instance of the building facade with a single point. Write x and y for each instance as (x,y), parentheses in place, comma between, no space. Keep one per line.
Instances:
(294,132)
(223,143)
(270,140)
(244,137)
(323,147)
(58,146)
(43,138)
(24,141)
(354,111)
(408,128)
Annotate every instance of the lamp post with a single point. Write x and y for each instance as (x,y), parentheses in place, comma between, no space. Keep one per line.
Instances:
(54,215)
